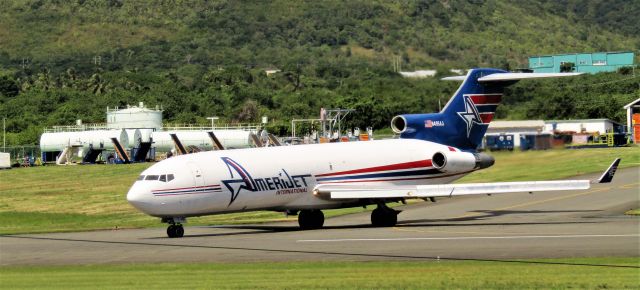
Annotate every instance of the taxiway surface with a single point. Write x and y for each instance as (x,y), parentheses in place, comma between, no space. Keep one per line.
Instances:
(587,223)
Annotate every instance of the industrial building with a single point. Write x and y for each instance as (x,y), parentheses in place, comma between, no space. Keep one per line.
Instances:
(508,135)
(582,62)
(540,135)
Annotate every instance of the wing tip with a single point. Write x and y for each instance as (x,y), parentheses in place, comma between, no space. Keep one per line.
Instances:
(607,175)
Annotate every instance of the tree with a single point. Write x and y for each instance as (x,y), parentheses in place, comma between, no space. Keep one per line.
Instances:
(567,67)
(8,87)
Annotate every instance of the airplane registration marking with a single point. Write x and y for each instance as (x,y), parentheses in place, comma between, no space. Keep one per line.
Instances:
(471,238)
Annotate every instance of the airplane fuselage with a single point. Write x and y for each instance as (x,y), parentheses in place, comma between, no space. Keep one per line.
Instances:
(283,178)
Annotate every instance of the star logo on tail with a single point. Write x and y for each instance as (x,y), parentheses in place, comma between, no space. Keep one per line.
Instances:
(470,114)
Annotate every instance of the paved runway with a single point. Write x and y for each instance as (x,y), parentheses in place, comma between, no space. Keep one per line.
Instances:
(501,227)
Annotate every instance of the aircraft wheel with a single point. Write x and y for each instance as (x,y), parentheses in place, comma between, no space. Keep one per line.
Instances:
(171,231)
(310,219)
(384,217)
(179,231)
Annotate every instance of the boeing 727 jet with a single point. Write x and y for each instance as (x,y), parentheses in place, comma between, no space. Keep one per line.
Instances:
(433,151)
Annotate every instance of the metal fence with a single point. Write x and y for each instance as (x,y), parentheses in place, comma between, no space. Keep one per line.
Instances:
(23,154)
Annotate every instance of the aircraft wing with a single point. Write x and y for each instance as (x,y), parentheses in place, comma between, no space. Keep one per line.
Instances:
(338,191)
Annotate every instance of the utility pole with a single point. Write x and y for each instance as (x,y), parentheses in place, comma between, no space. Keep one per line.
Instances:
(4,134)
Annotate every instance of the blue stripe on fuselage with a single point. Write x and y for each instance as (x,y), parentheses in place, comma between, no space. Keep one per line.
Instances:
(388,174)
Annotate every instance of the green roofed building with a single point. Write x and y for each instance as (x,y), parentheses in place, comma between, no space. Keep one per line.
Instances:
(581,62)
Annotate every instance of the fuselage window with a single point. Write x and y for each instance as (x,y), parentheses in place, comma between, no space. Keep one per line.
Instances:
(163,178)
(141,177)
(152,177)
(169,177)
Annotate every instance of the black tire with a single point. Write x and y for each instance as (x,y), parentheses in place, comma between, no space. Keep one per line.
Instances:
(179,231)
(384,217)
(318,219)
(377,217)
(171,231)
(310,219)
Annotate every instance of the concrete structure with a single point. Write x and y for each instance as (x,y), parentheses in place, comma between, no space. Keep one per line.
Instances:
(600,126)
(584,62)
(633,120)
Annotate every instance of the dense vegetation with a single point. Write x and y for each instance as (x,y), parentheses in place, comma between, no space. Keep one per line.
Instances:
(67,60)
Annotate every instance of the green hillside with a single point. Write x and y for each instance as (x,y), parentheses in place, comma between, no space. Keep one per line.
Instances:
(67,60)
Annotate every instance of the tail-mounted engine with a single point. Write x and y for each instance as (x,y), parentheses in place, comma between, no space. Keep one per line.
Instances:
(453,162)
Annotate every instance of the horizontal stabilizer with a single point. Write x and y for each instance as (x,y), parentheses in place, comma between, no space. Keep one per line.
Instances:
(499,77)
(503,77)
(437,190)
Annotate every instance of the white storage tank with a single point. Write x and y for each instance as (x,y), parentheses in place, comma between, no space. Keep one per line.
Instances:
(229,138)
(134,117)
(52,142)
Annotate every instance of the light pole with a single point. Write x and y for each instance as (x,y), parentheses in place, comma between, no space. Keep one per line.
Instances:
(213,120)
(4,134)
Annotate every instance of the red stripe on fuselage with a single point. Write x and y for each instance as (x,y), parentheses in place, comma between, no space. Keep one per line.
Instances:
(182,188)
(398,166)
(486,99)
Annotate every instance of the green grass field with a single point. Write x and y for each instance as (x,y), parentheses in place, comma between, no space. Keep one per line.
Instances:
(539,274)
(87,197)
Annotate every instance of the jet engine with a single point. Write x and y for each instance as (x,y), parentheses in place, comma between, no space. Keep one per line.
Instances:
(452,162)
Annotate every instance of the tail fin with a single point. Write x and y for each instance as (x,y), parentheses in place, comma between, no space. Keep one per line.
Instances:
(464,120)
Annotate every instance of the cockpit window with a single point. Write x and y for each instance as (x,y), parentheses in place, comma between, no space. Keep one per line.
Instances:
(152,177)
(170,177)
(163,178)
(141,177)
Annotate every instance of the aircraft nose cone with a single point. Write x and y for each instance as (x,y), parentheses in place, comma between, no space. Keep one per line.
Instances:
(138,197)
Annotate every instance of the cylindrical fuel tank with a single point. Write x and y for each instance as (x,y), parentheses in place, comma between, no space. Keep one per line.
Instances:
(229,138)
(51,142)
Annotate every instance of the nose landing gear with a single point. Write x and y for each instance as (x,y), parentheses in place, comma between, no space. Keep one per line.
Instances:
(175,229)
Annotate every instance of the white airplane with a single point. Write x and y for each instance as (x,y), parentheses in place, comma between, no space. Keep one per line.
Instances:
(434,150)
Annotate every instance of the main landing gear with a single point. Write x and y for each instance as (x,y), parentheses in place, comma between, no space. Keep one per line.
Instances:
(175,229)
(310,219)
(384,216)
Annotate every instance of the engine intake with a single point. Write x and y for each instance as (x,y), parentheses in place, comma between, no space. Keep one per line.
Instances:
(399,124)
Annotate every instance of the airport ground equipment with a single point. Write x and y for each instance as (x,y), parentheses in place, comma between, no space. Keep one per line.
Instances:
(120,151)
(217,145)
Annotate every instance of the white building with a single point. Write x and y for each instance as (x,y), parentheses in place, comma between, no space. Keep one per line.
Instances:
(515,128)
(600,126)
